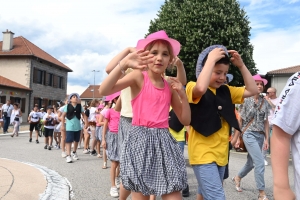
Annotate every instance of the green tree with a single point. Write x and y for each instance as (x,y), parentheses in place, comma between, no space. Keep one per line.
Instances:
(197,24)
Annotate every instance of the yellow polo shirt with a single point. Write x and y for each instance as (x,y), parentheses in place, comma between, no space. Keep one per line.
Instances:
(214,148)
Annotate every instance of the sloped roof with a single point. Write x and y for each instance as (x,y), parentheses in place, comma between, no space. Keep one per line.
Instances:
(9,83)
(88,93)
(23,47)
(287,70)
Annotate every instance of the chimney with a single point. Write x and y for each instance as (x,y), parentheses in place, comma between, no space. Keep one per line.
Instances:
(8,41)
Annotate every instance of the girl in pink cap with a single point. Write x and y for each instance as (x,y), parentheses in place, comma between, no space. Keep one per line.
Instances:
(110,141)
(151,159)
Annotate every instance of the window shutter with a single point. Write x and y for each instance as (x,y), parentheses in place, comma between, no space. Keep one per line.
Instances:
(55,81)
(46,78)
(3,99)
(35,75)
(23,104)
(12,100)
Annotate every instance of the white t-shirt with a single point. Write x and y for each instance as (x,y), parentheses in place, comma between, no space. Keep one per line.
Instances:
(34,116)
(286,117)
(42,114)
(92,116)
(8,109)
(50,121)
(271,113)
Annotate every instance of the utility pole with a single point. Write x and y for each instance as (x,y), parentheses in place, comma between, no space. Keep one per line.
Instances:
(94,83)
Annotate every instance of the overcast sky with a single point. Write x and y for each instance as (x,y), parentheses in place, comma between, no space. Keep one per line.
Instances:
(85,35)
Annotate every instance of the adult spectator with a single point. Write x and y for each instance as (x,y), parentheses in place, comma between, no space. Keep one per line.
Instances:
(6,112)
(272,100)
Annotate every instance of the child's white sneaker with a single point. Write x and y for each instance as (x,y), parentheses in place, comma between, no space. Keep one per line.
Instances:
(114,192)
(68,159)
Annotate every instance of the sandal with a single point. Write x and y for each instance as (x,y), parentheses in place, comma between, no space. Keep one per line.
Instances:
(262,197)
(237,184)
(99,156)
(104,165)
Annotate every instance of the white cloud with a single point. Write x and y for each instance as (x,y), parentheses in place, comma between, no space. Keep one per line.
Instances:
(75,88)
(276,49)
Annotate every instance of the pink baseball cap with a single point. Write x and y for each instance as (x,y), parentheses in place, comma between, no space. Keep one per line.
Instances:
(100,106)
(112,96)
(159,35)
(257,77)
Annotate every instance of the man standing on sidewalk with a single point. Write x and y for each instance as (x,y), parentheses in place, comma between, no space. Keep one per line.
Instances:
(6,112)
(272,100)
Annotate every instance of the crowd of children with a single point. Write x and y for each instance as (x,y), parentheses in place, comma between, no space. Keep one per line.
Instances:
(140,123)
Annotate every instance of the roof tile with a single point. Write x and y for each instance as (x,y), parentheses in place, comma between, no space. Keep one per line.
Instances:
(88,93)
(23,47)
(287,70)
(9,83)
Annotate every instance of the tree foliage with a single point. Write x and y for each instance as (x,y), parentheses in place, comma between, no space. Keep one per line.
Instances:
(197,24)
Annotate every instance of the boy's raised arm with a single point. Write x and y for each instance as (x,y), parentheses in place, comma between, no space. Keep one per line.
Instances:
(205,75)
(250,85)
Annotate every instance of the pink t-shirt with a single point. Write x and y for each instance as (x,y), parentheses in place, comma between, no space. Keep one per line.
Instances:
(151,106)
(113,120)
(97,119)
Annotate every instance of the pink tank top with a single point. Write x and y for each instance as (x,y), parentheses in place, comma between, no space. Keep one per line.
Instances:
(151,106)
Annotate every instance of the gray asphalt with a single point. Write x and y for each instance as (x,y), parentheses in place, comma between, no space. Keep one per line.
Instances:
(89,181)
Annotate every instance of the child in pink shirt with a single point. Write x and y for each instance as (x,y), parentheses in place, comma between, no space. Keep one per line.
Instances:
(110,141)
(151,160)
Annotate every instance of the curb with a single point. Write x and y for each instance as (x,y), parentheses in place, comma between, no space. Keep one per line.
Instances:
(58,187)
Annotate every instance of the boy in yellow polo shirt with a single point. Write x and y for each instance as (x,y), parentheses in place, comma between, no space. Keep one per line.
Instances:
(212,115)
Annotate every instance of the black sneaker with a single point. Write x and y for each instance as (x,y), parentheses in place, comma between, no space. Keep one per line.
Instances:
(93,153)
(45,147)
(37,141)
(49,148)
(30,139)
(186,192)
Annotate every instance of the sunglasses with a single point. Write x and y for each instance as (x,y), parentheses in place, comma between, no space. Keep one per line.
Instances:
(269,92)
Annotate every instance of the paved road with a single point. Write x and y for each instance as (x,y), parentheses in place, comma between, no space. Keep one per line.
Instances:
(90,182)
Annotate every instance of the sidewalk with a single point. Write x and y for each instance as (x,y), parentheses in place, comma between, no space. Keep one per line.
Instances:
(20,180)
(31,181)
(24,128)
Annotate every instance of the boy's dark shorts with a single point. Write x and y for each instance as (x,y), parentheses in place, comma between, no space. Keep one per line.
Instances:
(33,126)
(72,136)
(49,132)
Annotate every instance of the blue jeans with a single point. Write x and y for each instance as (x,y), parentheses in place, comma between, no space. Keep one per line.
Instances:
(254,142)
(210,178)
(181,144)
(6,121)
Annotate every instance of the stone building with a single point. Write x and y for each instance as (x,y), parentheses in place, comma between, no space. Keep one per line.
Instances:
(24,63)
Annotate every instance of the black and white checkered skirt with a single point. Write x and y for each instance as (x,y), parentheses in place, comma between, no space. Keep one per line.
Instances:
(112,146)
(98,133)
(152,162)
(125,125)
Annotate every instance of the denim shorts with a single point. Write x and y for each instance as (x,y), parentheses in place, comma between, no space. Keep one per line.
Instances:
(210,178)
(72,136)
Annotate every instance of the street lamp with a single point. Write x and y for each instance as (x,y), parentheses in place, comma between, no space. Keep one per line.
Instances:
(94,83)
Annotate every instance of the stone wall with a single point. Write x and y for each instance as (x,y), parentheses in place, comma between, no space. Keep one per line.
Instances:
(47,92)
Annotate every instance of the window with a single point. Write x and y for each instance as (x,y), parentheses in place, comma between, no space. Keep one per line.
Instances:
(38,76)
(60,82)
(49,79)
(3,99)
(38,101)
(50,103)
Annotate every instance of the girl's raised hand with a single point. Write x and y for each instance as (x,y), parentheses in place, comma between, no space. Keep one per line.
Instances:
(236,58)
(138,60)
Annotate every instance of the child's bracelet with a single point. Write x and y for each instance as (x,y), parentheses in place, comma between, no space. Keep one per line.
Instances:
(122,70)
